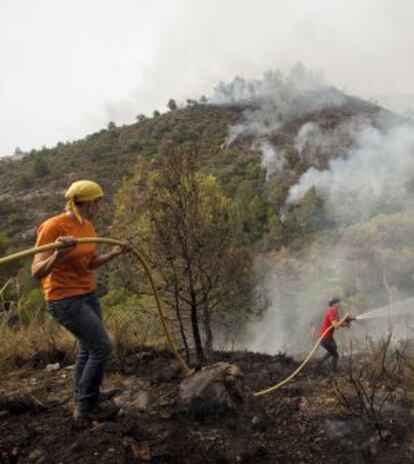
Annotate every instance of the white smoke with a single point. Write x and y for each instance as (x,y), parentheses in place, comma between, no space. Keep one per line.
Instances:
(308,134)
(298,286)
(273,100)
(272,160)
(277,88)
(315,144)
(374,175)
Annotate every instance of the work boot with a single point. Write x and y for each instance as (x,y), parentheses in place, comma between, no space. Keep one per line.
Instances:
(105,395)
(98,413)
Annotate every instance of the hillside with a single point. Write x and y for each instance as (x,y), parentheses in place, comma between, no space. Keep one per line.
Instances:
(32,188)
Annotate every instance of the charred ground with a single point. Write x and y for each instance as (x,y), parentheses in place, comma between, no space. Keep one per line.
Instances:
(301,423)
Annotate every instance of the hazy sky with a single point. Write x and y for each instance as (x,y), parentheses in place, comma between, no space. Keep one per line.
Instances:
(70,67)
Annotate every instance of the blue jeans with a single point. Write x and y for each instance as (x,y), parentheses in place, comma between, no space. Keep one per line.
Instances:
(81,315)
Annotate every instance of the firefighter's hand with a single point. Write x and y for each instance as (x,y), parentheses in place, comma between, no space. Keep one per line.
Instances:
(69,243)
(126,247)
(347,322)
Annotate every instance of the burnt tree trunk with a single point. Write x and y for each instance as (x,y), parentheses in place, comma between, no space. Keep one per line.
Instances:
(207,328)
(180,322)
(196,330)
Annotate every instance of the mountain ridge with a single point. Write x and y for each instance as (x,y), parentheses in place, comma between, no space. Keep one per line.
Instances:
(31,188)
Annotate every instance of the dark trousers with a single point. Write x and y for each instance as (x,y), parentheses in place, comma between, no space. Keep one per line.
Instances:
(332,352)
(81,315)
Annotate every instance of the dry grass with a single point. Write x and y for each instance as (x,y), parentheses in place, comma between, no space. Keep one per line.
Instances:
(35,340)
(39,340)
(34,344)
(130,330)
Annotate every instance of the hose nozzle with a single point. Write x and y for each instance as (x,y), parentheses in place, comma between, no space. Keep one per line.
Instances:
(349,319)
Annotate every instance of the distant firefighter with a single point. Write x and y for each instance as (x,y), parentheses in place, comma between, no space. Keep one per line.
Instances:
(331,319)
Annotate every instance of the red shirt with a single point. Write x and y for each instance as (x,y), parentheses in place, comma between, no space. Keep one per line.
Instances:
(331,315)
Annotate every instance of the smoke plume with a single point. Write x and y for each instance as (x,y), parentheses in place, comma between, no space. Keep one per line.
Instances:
(366,185)
(271,101)
(375,175)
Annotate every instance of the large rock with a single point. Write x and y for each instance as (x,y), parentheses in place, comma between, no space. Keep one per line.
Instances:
(212,390)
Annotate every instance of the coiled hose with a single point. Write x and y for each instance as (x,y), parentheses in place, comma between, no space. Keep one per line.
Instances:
(180,360)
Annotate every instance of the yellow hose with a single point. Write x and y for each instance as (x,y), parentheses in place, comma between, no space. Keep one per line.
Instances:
(180,360)
(307,359)
(109,241)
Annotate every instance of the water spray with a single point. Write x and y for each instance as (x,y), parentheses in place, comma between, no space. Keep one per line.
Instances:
(399,308)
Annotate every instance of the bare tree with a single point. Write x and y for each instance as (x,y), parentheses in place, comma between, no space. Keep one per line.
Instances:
(371,385)
(185,226)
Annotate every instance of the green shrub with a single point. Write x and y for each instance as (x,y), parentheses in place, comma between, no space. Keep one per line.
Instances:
(23,181)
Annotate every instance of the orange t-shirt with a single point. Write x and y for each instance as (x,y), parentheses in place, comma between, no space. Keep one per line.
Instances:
(72,276)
